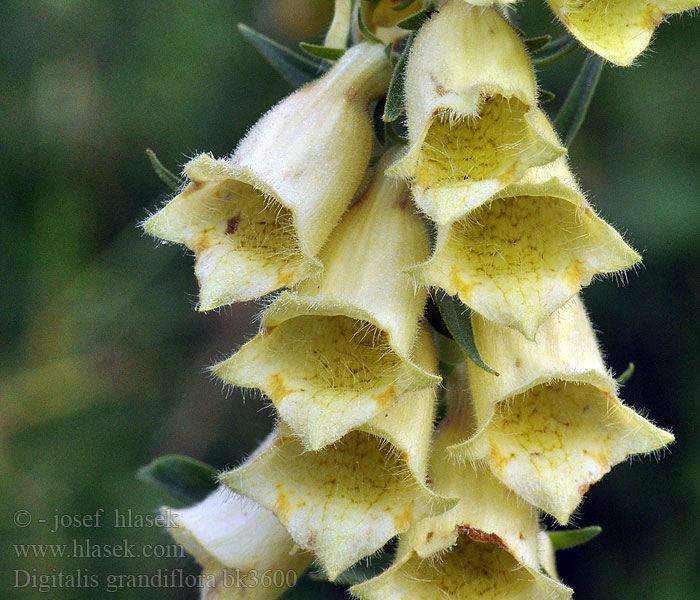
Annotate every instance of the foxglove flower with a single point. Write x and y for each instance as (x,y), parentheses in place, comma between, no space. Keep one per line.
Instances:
(257,220)
(470,94)
(617,30)
(523,254)
(235,541)
(551,424)
(346,501)
(487,546)
(340,349)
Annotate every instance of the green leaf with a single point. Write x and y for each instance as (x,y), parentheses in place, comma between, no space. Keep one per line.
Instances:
(185,478)
(366,33)
(394,135)
(554,51)
(295,68)
(544,96)
(573,111)
(414,22)
(458,319)
(568,538)
(322,51)
(627,375)
(395,95)
(166,176)
(535,43)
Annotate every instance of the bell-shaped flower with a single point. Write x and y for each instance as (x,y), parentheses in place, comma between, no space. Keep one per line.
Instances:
(346,501)
(484,547)
(551,424)
(257,220)
(236,541)
(524,253)
(470,94)
(617,30)
(340,349)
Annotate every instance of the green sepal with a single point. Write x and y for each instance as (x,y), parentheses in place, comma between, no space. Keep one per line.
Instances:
(569,538)
(553,51)
(573,111)
(295,68)
(366,33)
(165,175)
(458,320)
(449,353)
(627,375)
(395,95)
(544,96)
(394,135)
(536,43)
(185,478)
(323,52)
(414,22)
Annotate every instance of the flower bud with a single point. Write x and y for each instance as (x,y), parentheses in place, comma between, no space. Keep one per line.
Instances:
(621,29)
(470,91)
(523,254)
(346,501)
(340,349)
(484,547)
(257,220)
(235,541)
(551,424)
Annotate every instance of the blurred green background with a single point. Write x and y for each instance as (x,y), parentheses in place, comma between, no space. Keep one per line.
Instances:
(104,360)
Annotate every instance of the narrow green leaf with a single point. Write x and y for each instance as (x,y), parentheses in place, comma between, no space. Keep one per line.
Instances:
(185,478)
(544,96)
(535,43)
(458,320)
(166,176)
(573,111)
(366,33)
(568,538)
(414,22)
(627,375)
(322,51)
(395,95)
(553,51)
(295,68)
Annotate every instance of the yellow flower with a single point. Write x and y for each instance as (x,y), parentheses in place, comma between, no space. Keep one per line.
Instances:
(470,91)
(257,220)
(236,541)
(487,546)
(340,349)
(523,254)
(617,30)
(346,501)
(381,17)
(551,424)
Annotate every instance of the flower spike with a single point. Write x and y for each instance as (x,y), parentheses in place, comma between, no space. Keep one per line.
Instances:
(257,220)
(470,91)
(551,424)
(235,540)
(340,349)
(617,30)
(523,254)
(346,501)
